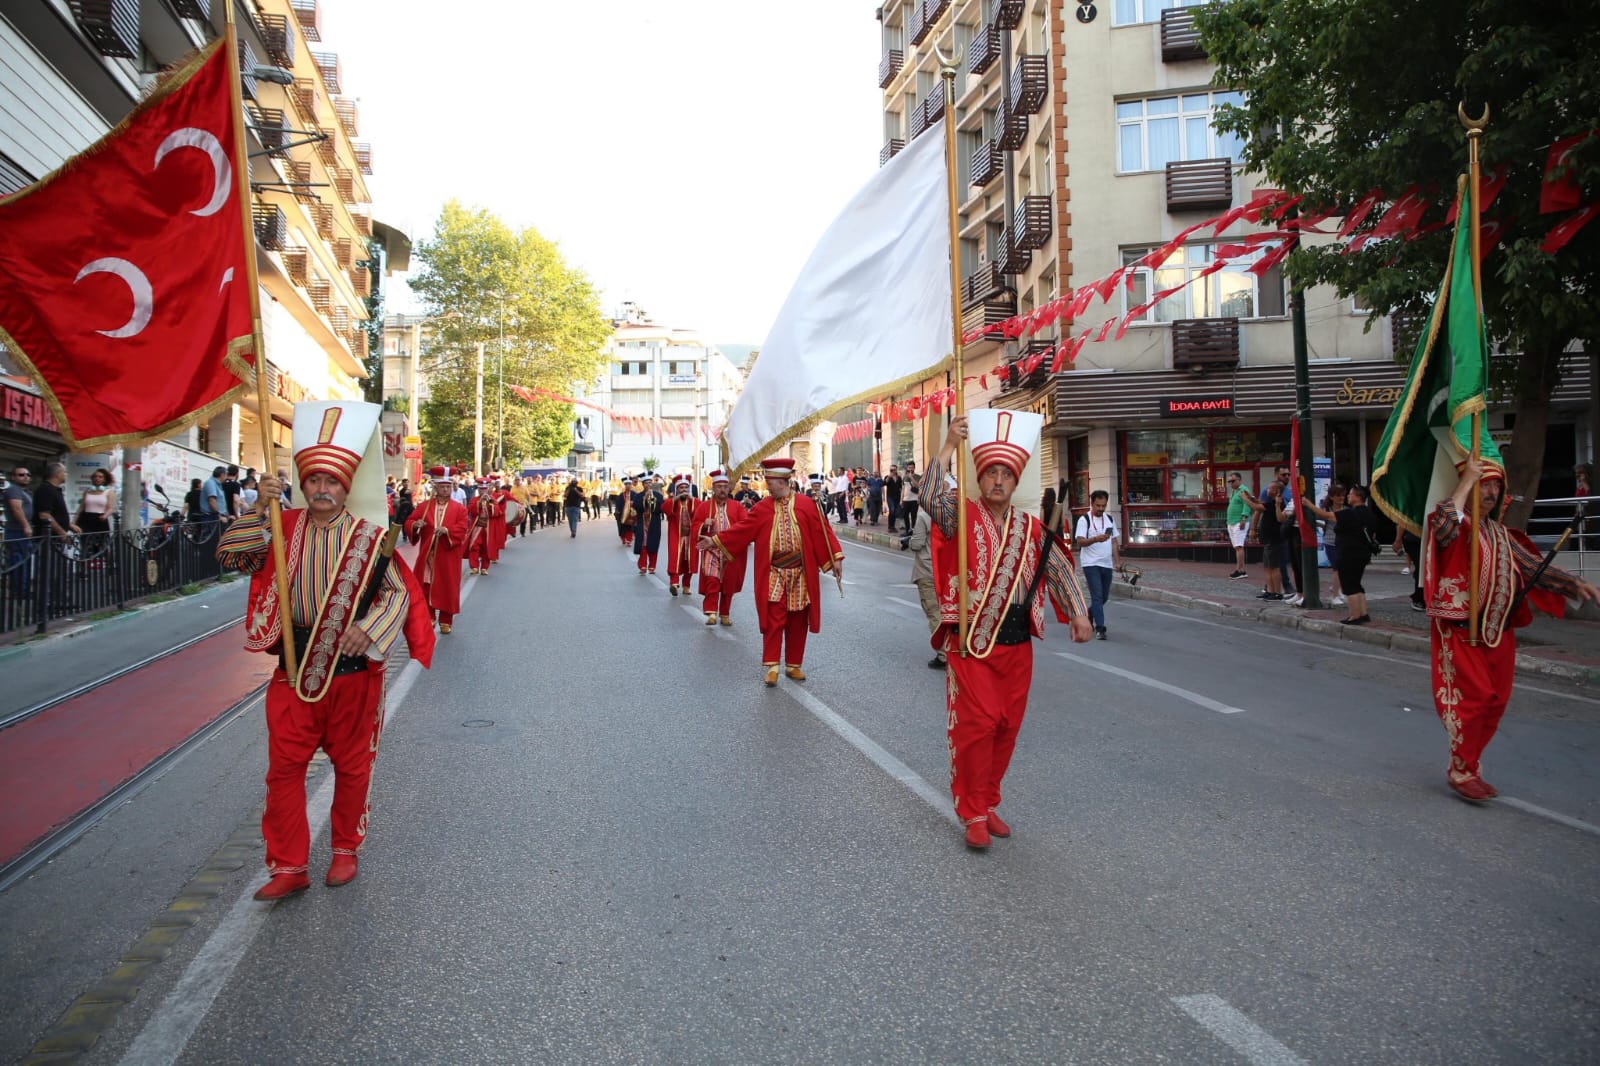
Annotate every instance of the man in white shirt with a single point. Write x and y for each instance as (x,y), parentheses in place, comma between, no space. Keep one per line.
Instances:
(1095,540)
(840,489)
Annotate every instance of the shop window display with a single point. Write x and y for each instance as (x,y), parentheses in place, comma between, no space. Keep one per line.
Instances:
(1174,481)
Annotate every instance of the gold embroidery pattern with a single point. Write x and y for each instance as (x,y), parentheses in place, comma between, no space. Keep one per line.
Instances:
(1448,696)
(265,625)
(786,586)
(952,692)
(335,613)
(1001,585)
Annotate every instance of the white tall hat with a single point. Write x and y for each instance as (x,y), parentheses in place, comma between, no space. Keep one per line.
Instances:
(344,438)
(1006,437)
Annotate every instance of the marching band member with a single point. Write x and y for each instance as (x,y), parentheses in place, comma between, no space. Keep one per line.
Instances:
(720,578)
(439,526)
(682,552)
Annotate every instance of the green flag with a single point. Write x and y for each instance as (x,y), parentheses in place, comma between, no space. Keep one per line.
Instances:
(1430,430)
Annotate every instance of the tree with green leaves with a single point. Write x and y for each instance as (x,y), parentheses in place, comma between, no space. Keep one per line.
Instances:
(1347,96)
(537,318)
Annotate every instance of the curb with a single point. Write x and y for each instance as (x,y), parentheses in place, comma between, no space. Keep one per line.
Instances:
(1387,639)
(23,647)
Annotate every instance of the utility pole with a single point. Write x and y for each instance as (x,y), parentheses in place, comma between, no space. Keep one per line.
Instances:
(477,423)
(500,395)
(1310,580)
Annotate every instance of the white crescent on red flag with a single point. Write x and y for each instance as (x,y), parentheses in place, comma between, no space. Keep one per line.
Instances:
(123,284)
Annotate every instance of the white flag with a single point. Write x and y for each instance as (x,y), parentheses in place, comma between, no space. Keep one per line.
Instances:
(869,314)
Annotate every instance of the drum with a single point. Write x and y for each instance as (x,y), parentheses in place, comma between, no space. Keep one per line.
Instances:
(513,512)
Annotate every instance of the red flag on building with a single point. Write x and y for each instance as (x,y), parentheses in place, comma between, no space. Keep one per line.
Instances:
(1560,191)
(123,280)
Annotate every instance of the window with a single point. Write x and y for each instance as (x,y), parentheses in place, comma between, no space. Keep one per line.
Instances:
(1132,12)
(1232,292)
(1163,129)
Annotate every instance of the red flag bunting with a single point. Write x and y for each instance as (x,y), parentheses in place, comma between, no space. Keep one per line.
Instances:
(1557,238)
(1560,190)
(1358,214)
(123,281)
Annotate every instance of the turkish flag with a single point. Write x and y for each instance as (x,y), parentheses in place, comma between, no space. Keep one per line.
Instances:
(1560,191)
(1557,238)
(123,280)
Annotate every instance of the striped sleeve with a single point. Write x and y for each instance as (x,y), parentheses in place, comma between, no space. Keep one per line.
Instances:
(1061,577)
(1554,579)
(939,502)
(385,620)
(243,545)
(1446,522)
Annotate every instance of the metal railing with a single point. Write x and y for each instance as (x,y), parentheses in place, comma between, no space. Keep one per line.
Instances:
(49,580)
(1581,554)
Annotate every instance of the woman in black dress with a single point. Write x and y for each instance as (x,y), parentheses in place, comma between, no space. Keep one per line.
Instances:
(1355,527)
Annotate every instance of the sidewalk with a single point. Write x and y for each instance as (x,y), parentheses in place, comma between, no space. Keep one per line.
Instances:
(1568,649)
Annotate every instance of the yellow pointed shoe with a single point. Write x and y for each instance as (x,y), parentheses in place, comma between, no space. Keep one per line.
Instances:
(711,619)
(726,620)
(794,673)
(772,677)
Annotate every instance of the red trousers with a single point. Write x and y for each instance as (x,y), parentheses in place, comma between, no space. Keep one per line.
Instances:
(479,554)
(647,561)
(986,699)
(346,723)
(444,618)
(1471,685)
(793,631)
(718,599)
(627,535)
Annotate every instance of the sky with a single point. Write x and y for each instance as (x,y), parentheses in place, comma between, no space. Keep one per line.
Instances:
(684,154)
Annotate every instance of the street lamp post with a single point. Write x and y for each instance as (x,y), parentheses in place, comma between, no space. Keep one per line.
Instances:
(500,395)
(477,422)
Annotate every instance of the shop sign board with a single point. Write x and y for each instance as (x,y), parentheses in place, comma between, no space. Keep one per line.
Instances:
(27,409)
(1196,406)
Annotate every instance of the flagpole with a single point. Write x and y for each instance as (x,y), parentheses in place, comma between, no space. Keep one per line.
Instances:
(948,72)
(258,347)
(1475,127)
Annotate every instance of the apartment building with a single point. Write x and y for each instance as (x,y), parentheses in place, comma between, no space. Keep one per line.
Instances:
(1085,141)
(680,386)
(72,70)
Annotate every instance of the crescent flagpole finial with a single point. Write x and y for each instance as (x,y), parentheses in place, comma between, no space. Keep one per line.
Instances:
(1473,125)
(951,62)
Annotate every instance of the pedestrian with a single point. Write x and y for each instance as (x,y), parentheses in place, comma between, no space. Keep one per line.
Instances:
(1011,565)
(858,499)
(574,501)
(1095,538)
(1238,519)
(439,527)
(1327,512)
(51,517)
(874,498)
(1472,681)
(348,603)
(645,506)
(193,509)
(249,493)
(1291,534)
(910,496)
(213,498)
(893,487)
(497,521)
(922,577)
(683,560)
(721,577)
(19,530)
(405,502)
(1355,527)
(794,544)
(747,496)
(231,488)
(1269,530)
(288,496)
(98,504)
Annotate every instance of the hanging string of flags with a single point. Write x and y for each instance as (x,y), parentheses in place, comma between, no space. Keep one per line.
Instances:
(632,423)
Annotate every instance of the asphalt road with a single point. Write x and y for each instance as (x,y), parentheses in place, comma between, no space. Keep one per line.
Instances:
(597,837)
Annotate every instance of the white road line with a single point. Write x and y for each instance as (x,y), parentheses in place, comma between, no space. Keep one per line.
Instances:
(1255,634)
(939,801)
(1182,693)
(1554,816)
(168,1030)
(874,548)
(1258,1046)
(905,603)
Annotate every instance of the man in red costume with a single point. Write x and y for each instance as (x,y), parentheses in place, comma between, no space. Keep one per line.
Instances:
(1010,568)
(481,510)
(497,520)
(793,546)
(348,603)
(439,526)
(683,554)
(1472,682)
(720,579)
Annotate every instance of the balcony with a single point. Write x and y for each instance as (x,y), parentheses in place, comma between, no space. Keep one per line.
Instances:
(247,69)
(112,26)
(322,216)
(1030,84)
(933,106)
(1199,184)
(919,27)
(294,264)
(328,64)
(362,218)
(328,147)
(1008,13)
(985,50)
(348,115)
(991,312)
(1203,343)
(305,99)
(919,121)
(1180,38)
(344,252)
(272,226)
(321,295)
(890,66)
(272,127)
(277,37)
(192,9)
(984,284)
(361,281)
(890,150)
(363,157)
(301,178)
(309,15)
(1405,330)
(1014,131)
(935,10)
(986,163)
(1018,378)
(344,183)
(1032,222)
(341,319)
(1014,260)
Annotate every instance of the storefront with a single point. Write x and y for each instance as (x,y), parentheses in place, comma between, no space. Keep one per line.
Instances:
(1175,480)
(28,433)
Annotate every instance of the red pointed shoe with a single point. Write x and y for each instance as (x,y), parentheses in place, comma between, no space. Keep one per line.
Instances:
(978,834)
(341,871)
(282,886)
(998,826)
(1473,790)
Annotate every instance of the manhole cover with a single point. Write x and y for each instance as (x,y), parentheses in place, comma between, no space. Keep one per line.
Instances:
(478,723)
